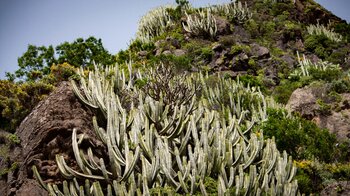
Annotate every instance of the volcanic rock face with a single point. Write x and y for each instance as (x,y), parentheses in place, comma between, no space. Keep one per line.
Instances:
(304,100)
(45,132)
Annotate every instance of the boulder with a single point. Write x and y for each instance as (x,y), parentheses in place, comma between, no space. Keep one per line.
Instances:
(179,52)
(289,60)
(167,52)
(241,35)
(260,52)
(240,62)
(217,47)
(223,26)
(45,132)
(142,53)
(304,100)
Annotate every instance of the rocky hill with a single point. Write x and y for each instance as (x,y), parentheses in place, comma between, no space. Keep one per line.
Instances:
(249,97)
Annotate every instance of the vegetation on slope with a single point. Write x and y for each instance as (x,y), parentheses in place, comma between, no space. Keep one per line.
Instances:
(258,48)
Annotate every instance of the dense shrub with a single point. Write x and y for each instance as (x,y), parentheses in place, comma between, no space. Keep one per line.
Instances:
(291,30)
(206,53)
(62,72)
(321,45)
(17,100)
(341,85)
(327,75)
(131,54)
(313,176)
(278,8)
(299,137)
(252,27)
(182,62)
(343,29)
(236,49)
(339,55)
(251,81)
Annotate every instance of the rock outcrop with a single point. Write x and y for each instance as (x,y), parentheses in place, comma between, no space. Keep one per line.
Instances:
(306,101)
(337,189)
(45,132)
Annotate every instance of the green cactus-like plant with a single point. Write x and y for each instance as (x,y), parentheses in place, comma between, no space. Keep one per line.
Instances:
(234,11)
(154,23)
(233,98)
(320,29)
(148,147)
(307,66)
(202,23)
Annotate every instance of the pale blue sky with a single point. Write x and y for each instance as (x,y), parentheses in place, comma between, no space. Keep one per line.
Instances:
(51,22)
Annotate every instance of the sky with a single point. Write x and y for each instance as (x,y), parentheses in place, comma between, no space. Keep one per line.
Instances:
(52,22)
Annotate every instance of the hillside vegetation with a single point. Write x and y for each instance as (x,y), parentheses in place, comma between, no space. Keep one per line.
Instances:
(200,103)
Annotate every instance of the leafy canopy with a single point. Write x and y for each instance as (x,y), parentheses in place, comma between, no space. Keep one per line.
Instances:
(37,60)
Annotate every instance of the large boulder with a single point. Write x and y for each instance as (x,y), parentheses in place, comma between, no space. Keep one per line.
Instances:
(336,120)
(223,26)
(259,52)
(45,132)
(304,100)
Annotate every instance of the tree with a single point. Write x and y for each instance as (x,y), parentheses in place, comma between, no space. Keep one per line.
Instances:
(35,62)
(84,53)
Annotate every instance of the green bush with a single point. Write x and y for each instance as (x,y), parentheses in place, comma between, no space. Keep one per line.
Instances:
(138,45)
(17,101)
(338,56)
(252,27)
(304,182)
(327,75)
(343,29)
(177,62)
(13,139)
(299,137)
(279,8)
(291,30)
(341,85)
(4,171)
(206,53)
(251,81)
(236,49)
(268,28)
(313,176)
(321,45)
(324,108)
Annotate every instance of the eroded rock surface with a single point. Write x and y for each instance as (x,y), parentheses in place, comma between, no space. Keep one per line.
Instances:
(337,120)
(304,100)
(45,132)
